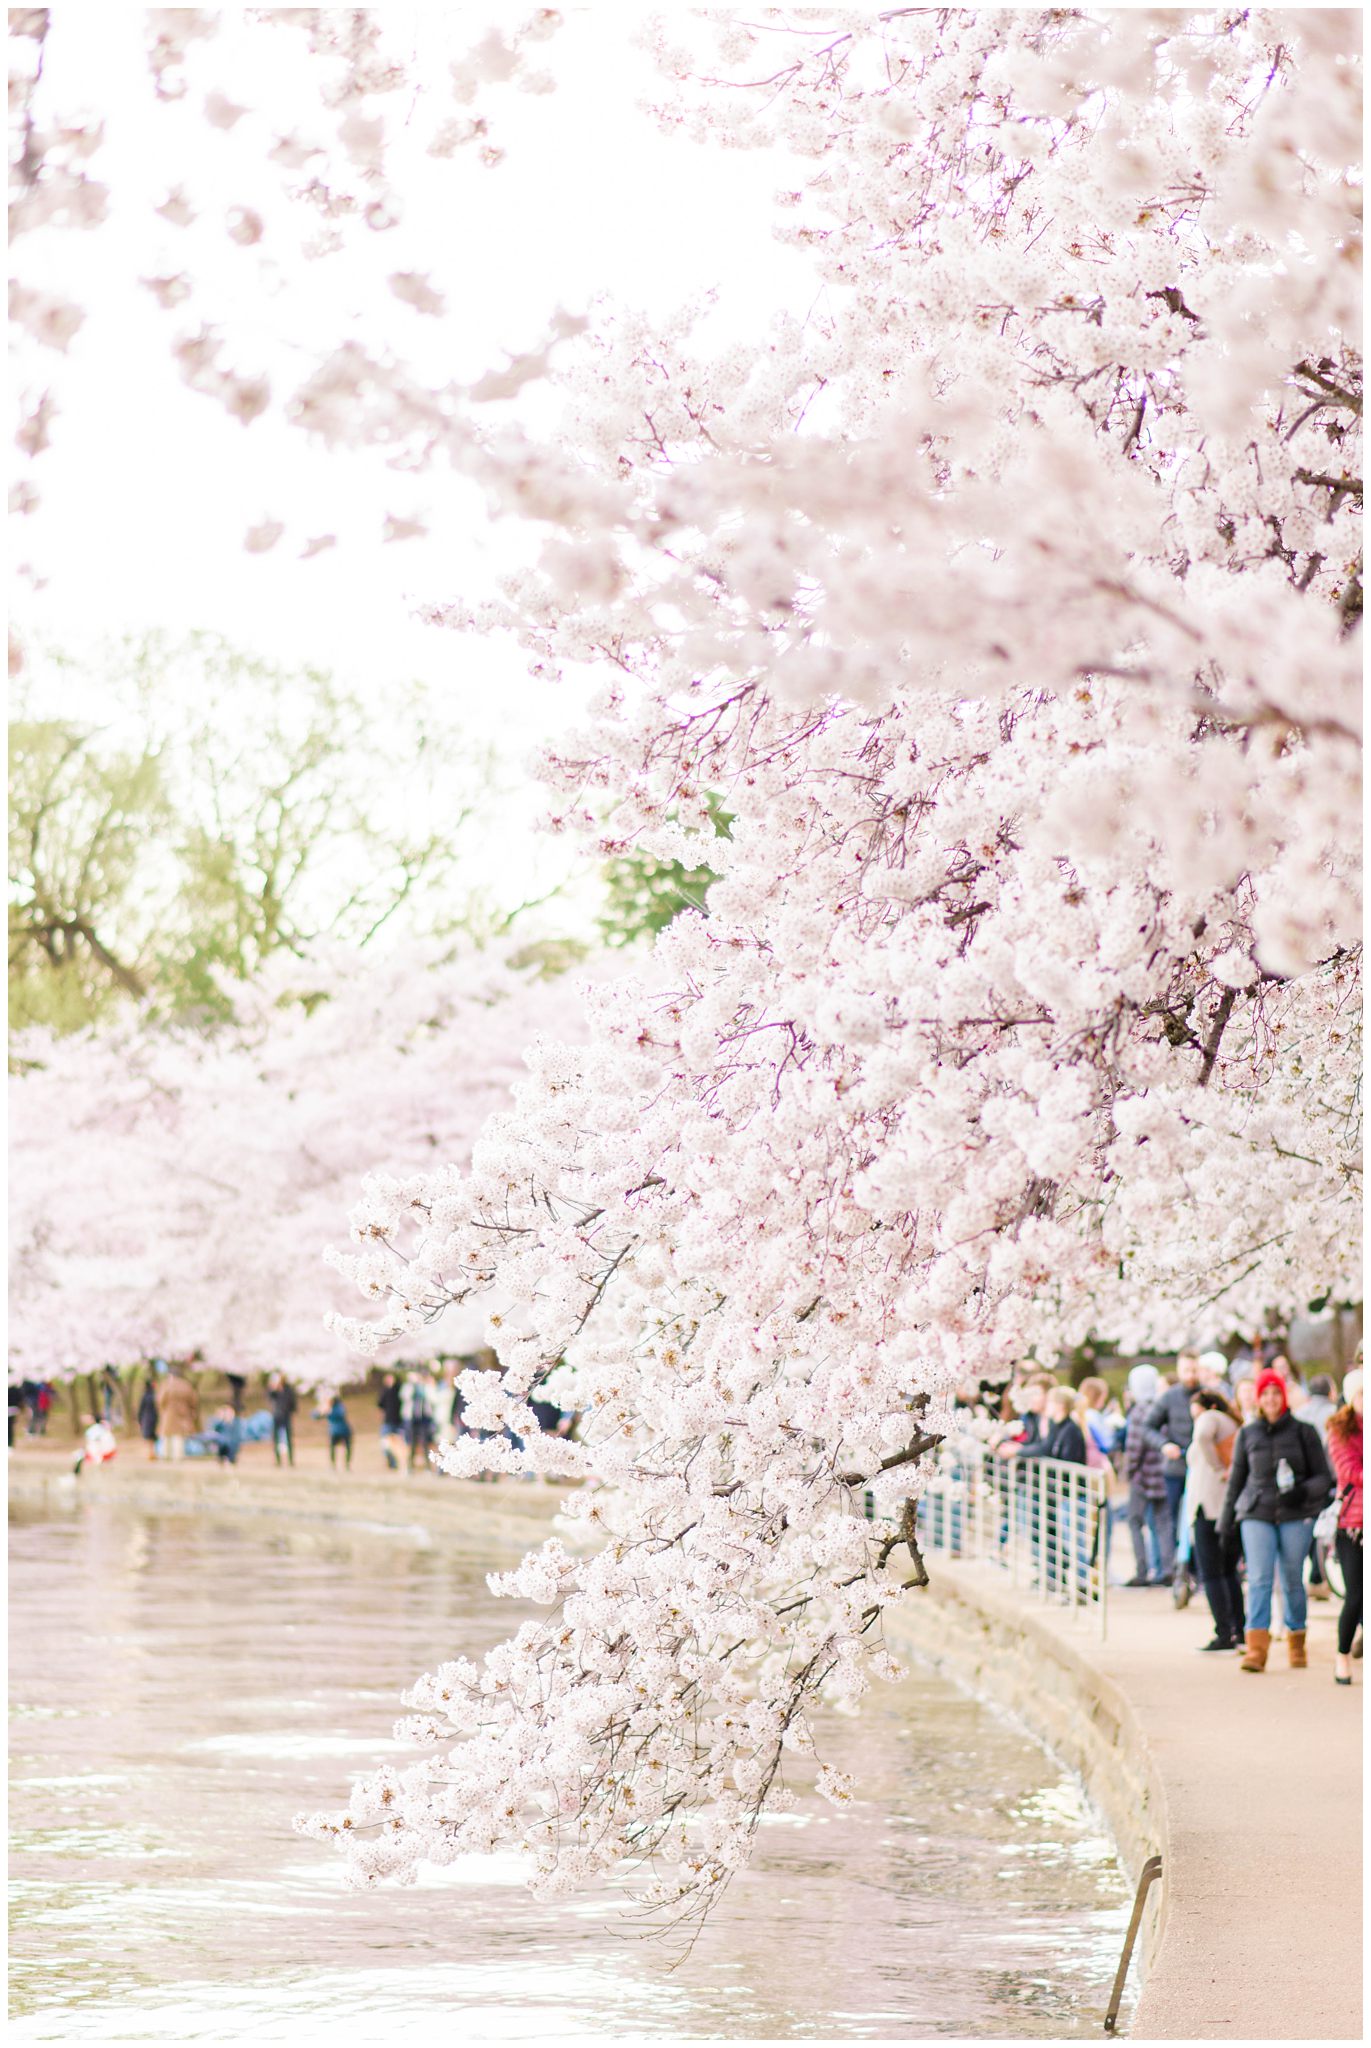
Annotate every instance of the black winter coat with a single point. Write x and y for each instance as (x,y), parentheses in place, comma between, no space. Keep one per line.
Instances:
(1258,1448)
(1171,1415)
(1066,1442)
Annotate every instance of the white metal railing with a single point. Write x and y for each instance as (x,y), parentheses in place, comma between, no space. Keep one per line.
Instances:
(1043,1522)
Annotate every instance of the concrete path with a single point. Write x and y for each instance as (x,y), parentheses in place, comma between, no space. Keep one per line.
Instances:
(1250,1787)
(1262,1778)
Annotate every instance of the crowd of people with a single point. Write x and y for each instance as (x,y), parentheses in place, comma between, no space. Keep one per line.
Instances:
(1236,1477)
(418,1408)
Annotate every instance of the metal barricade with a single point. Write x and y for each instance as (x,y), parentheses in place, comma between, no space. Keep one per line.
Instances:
(1045,1523)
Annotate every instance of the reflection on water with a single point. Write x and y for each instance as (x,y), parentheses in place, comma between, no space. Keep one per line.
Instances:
(183,1685)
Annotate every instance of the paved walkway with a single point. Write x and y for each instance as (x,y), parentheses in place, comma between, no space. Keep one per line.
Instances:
(1250,1787)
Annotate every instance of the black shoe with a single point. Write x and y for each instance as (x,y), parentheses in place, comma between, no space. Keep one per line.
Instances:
(1219,1643)
(1136,1580)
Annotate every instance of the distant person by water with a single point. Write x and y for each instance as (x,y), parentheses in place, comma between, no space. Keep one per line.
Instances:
(148,1426)
(281,1399)
(339,1430)
(392,1421)
(1279,1482)
(178,1411)
(98,1445)
(1345,1450)
(420,1417)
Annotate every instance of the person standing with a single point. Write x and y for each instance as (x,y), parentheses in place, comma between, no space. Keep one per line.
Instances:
(282,1402)
(1170,1417)
(1345,1450)
(1210,1460)
(420,1418)
(1214,1373)
(1143,1467)
(1279,1482)
(392,1422)
(178,1411)
(148,1426)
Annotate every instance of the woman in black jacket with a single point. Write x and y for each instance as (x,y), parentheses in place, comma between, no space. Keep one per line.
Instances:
(1279,1482)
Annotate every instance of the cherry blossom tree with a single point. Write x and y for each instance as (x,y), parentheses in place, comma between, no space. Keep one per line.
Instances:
(173,1191)
(1005,595)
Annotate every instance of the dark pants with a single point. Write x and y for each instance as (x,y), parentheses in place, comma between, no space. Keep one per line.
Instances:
(1141,1512)
(1349,1557)
(1174,1476)
(340,1443)
(1219,1577)
(282,1433)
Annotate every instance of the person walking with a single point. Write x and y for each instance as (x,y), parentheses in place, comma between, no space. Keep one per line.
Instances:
(339,1430)
(1344,1448)
(1145,1471)
(148,1426)
(178,1411)
(282,1402)
(1279,1481)
(392,1421)
(1209,1461)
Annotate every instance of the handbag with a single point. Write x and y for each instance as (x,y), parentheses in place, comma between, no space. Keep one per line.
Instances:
(1326,1525)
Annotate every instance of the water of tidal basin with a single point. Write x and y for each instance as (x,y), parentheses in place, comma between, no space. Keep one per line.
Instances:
(181,1685)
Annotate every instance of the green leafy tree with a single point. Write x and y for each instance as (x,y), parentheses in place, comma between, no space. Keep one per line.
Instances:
(643,895)
(214,809)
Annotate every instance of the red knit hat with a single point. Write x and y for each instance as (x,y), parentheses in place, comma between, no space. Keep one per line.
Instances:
(1273,1379)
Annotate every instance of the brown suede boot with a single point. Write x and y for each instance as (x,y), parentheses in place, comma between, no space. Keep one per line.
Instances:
(1294,1644)
(1258,1643)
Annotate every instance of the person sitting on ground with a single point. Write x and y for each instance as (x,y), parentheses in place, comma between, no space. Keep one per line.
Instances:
(1345,1450)
(1279,1482)
(1209,1460)
(226,1429)
(1148,1507)
(98,1445)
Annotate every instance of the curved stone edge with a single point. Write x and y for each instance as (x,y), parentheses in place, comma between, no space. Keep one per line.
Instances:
(978,1634)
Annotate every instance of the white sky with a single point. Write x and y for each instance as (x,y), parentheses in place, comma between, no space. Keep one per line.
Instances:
(148,489)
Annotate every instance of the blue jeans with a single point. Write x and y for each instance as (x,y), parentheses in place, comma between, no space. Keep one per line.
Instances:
(1264,1544)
